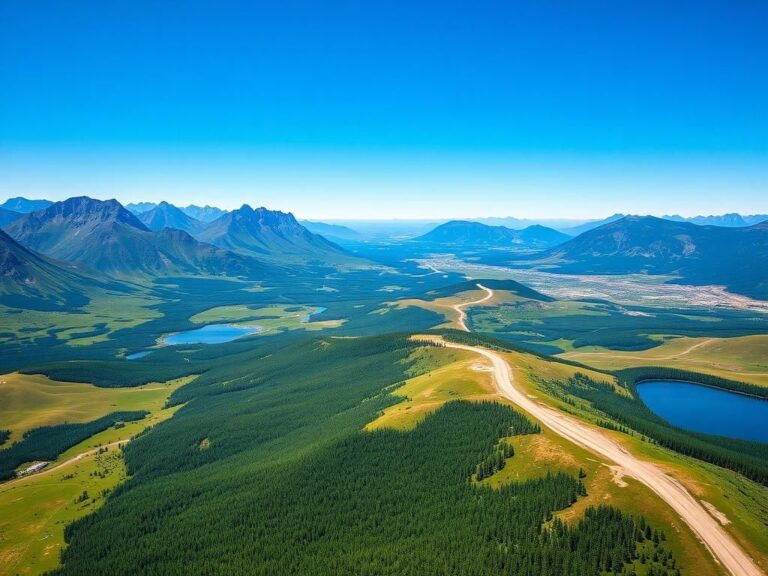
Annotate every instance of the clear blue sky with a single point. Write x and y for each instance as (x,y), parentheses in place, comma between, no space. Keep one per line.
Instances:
(383,109)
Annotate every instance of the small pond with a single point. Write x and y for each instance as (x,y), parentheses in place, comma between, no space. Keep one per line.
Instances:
(137,355)
(705,409)
(211,334)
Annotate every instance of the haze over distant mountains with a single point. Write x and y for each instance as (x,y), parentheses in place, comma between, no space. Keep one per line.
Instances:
(164,240)
(474,234)
(732,220)
(736,257)
(332,231)
(353,230)
(203,213)
(23,205)
(166,215)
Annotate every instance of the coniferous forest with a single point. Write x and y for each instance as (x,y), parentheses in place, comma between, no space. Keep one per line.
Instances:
(296,487)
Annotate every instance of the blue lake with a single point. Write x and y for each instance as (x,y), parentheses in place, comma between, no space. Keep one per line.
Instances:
(709,410)
(137,355)
(211,334)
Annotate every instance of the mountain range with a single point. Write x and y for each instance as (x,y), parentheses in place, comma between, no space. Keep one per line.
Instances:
(166,215)
(332,231)
(106,237)
(731,220)
(735,257)
(202,213)
(467,234)
(271,235)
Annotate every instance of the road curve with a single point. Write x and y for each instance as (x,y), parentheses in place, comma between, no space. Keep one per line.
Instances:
(462,320)
(719,542)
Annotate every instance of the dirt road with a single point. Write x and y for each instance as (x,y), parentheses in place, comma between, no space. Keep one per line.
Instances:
(719,542)
(462,320)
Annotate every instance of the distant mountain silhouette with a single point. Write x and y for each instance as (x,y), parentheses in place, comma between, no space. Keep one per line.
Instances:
(727,220)
(271,235)
(731,220)
(8,216)
(166,215)
(590,225)
(468,234)
(732,257)
(23,205)
(331,231)
(106,237)
(203,213)
(140,207)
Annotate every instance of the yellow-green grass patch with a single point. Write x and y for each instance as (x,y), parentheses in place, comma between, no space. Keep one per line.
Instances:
(29,401)
(34,510)
(743,358)
(448,375)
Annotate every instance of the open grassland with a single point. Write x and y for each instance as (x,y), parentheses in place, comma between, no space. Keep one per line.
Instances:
(742,358)
(92,323)
(30,401)
(34,510)
(446,375)
(271,318)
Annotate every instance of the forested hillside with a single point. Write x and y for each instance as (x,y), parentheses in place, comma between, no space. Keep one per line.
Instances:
(265,470)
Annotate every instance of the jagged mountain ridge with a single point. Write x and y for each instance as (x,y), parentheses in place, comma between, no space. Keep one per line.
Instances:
(103,235)
(271,235)
(166,215)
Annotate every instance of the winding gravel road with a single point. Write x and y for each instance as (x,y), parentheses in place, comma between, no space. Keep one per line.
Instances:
(709,530)
(462,320)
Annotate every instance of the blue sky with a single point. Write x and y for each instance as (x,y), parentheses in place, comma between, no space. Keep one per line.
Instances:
(390,109)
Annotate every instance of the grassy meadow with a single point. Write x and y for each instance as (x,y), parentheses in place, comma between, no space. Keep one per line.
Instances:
(743,358)
(34,510)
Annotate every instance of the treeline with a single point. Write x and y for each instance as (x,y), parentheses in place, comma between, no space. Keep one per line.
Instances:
(4,435)
(747,458)
(633,376)
(380,503)
(47,442)
(494,461)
